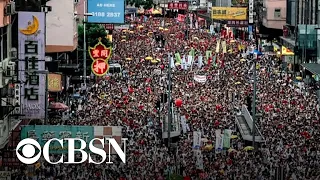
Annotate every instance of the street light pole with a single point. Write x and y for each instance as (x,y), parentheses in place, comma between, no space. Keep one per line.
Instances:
(46,101)
(254,102)
(84,44)
(169,102)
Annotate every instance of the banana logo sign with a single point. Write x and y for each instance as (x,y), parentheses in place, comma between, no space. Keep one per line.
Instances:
(32,27)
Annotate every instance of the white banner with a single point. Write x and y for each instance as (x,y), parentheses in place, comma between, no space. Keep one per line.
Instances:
(196,139)
(200,63)
(199,159)
(190,60)
(183,124)
(200,78)
(219,140)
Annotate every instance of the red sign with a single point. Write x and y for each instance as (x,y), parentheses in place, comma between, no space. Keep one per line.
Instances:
(100,51)
(178,5)
(99,67)
(108,26)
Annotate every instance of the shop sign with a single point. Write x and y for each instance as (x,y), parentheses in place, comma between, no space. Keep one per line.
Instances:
(100,52)
(178,5)
(286,52)
(237,23)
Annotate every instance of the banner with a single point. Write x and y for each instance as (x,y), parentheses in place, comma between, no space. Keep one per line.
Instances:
(183,124)
(226,138)
(224,47)
(218,46)
(196,139)
(200,62)
(219,140)
(190,60)
(229,13)
(199,159)
(54,82)
(208,55)
(178,58)
(200,78)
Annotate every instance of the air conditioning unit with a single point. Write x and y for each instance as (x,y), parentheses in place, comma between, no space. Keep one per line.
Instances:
(10,9)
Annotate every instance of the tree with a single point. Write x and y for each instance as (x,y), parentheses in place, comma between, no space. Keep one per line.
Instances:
(93,33)
(146,4)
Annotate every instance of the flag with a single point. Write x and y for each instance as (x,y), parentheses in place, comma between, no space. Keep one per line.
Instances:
(192,52)
(226,138)
(224,47)
(218,46)
(196,139)
(218,136)
(208,55)
(200,63)
(178,58)
(172,63)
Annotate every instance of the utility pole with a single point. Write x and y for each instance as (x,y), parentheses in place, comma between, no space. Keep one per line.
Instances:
(84,44)
(169,101)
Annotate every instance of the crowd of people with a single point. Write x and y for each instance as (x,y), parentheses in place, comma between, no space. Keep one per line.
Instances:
(289,119)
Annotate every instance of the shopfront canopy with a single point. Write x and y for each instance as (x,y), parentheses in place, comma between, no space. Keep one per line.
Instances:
(312,67)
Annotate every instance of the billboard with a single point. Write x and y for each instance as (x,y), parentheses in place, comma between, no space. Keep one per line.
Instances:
(229,13)
(31,54)
(111,11)
(61,27)
(43,133)
(54,82)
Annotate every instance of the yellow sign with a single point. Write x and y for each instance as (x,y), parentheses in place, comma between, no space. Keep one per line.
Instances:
(54,82)
(229,13)
(286,52)
(32,27)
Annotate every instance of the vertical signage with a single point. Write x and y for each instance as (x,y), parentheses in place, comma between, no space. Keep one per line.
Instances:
(250,11)
(31,40)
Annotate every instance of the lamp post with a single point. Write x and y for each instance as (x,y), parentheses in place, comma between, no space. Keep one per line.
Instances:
(85,14)
(169,102)
(45,72)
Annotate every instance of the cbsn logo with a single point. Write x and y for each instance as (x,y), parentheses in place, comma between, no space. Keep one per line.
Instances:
(29,150)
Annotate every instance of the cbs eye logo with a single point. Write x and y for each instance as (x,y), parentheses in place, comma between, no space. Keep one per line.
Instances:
(28,149)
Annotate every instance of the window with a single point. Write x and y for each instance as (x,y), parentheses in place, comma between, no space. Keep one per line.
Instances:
(277,13)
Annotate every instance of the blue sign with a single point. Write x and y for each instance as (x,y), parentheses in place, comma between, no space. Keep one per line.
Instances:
(44,133)
(111,11)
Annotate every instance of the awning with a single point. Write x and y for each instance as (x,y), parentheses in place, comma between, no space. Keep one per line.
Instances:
(312,67)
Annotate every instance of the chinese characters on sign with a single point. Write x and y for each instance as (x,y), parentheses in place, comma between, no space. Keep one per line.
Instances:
(229,13)
(44,133)
(100,52)
(237,23)
(54,82)
(100,55)
(106,12)
(99,67)
(31,55)
(178,5)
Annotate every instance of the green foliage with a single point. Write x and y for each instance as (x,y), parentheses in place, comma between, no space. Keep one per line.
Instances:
(93,32)
(146,4)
